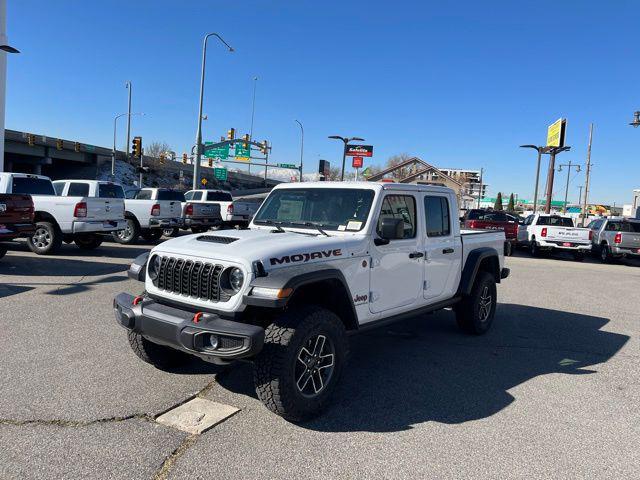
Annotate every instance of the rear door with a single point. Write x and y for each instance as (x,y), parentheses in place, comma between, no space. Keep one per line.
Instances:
(443,251)
(396,273)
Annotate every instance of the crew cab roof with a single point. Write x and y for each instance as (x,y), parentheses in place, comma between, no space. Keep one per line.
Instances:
(377,186)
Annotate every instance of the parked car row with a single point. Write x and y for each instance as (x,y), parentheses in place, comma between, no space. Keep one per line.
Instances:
(85,212)
(609,238)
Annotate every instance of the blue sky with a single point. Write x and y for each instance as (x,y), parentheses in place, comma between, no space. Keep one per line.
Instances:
(460,84)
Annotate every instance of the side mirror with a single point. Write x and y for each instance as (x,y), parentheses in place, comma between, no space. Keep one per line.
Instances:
(391,229)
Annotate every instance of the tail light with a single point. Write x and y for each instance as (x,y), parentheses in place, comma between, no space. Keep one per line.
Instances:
(80,210)
(189,209)
(230,209)
(618,238)
(590,234)
(544,232)
(155,210)
(472,224)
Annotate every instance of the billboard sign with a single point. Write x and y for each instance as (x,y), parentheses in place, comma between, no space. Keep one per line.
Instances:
(359,151)
(556,133)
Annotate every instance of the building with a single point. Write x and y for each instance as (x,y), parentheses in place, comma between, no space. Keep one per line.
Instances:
(471,178)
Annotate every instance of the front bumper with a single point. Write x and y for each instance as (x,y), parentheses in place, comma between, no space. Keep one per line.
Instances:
(10,231)
(202,222)
(559,245)
(210,338)
(165,222)
(98,226)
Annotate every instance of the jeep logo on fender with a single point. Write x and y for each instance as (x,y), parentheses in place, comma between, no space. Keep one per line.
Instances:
(305,257)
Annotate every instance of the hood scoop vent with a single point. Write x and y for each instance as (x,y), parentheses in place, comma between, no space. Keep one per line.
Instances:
(216,239)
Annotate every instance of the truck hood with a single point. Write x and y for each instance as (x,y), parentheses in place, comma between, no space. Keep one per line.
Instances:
(275,250)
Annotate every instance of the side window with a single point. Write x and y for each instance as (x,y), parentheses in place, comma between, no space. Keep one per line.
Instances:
(143,195)
(78,190)
(596,225)
(613,227)
(529,220)
(59,188)
(196,196)
(436,210)
(402,207)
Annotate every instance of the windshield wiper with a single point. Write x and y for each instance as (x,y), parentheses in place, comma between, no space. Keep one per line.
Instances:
(279,229)
(318,226)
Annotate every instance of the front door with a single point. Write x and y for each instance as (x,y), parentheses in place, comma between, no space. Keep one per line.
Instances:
(443,251)
(396,273)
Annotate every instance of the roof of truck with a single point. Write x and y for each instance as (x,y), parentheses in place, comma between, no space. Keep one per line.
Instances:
(378,186)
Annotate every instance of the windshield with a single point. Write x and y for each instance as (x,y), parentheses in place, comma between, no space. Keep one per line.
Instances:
(330,208)
(555,221)
(32,186)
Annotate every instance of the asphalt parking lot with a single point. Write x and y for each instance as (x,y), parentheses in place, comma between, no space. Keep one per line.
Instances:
(552,391)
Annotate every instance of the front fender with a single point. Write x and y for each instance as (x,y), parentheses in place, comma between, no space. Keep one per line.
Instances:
(138,269)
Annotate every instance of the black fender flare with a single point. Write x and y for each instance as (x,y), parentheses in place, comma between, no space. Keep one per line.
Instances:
(472,266)
(138,268)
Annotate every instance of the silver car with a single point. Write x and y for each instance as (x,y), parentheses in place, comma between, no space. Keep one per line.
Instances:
(615,238)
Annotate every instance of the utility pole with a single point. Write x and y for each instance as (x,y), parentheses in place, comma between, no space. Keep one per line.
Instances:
(480,190)
(580,197)
(588,178)
(566,191)
(127,145)
(301,146)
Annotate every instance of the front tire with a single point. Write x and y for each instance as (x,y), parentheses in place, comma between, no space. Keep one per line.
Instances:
(161,357)
(474,314)
(46,240)
(301,362)
(88,241)
(130,233)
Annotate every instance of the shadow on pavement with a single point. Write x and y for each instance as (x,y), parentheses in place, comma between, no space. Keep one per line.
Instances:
(424,370)
(35,266)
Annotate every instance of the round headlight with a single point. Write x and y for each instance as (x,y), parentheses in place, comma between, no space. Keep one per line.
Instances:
(154,267)
(236,278)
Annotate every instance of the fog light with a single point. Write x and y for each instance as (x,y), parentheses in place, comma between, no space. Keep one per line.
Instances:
(213,341)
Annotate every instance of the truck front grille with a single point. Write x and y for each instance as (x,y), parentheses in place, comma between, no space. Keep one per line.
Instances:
(191,278)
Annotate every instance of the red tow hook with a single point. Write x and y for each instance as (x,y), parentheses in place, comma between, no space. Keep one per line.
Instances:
(197,317)
(137,300)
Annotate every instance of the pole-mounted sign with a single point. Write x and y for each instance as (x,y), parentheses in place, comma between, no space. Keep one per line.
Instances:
(357,162)
(359,150)
(556,133)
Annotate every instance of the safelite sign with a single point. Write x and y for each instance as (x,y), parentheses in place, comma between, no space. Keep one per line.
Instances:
(359,151)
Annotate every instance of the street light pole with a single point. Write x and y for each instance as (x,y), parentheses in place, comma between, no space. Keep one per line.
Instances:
(113,154)
(198,159)
(128,146)
(480,192)
(345,140)
(253,111)
(301,146)
(540,151)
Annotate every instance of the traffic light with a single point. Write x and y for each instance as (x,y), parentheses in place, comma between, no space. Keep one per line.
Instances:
(245,141)
(31,138)
(231,134)
(59,144)
(76,146)
(162,159)
(210,162)
(137,147)
(264,147)
(184,158)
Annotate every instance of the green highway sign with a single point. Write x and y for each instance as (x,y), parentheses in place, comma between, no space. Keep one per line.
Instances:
(288,165)
(220,152)
(242,152)
(220,174)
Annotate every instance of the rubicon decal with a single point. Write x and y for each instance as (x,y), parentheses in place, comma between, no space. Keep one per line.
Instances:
(305,257)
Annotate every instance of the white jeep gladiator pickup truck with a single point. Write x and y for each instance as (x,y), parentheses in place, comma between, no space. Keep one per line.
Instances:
(548,232)
(147,212)
(319,261)
(77,217)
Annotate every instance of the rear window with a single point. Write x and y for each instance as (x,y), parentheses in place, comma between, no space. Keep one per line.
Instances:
(170,195)
(193,196)
(143,195)
(110,190)
(78,190)
(219,197)
(630,227)
(32,186)
(555,221)
(489,216)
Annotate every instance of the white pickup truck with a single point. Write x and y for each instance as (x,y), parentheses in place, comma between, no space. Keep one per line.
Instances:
(234,213)
(77,217)
(147,212)
(548,232)
(320,261)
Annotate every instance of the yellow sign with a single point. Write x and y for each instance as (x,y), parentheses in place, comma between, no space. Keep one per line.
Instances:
(204,181)
(242,159)
(555,133)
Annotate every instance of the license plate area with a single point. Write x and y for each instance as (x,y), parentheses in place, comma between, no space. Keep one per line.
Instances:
(567,244)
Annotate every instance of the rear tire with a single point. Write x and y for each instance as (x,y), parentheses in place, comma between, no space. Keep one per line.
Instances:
(88,241)
(161,357)
(152,235)
(300,364)
(534,250)
(46,240)
(474,314)
(3,251)
(605,253)
(130,233)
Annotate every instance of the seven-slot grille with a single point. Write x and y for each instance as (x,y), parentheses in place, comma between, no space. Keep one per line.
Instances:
(193,279)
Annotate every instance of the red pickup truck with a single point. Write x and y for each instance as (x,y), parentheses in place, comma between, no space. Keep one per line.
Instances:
(16,218)
(478,219)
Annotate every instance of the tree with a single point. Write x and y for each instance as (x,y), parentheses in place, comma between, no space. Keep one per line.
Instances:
(511,207)
(498,204)
(396,160)
(154,149)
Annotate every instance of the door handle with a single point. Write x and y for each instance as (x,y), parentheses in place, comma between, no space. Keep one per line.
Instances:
(448,250)
(416,255)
